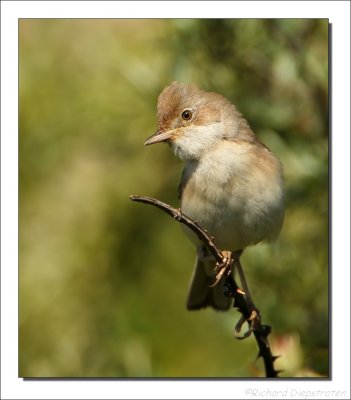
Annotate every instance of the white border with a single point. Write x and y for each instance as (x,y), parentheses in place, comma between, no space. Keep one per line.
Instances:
(339,15)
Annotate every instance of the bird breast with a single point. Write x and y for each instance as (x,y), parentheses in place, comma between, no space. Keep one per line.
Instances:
(235,192)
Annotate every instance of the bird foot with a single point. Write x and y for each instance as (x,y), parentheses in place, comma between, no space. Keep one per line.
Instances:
(223,268)
(241,322)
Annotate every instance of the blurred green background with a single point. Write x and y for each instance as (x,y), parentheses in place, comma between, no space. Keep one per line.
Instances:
(103,281)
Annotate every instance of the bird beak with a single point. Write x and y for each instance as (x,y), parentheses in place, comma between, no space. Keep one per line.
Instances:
(159,136)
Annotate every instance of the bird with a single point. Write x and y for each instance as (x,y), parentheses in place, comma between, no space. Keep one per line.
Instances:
(232,184)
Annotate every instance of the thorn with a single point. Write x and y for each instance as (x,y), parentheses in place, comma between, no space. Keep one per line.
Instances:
(275,357)
(240,291)
(266,330)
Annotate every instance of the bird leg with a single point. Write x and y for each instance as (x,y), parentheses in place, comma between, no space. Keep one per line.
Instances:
(241,322)
(225,269)
(254,313)
(238,267)
(204,255)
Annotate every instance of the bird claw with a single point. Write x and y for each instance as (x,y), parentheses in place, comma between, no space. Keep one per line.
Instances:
(240,324)
(225,267)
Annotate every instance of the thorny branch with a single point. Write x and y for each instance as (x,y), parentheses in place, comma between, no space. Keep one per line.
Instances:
(249,314)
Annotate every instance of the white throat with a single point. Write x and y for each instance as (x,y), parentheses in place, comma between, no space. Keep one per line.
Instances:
(195,141)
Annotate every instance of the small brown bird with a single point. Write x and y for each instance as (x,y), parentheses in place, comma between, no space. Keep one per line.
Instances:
(231,185)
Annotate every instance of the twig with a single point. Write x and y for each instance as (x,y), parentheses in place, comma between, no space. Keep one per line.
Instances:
(250,315)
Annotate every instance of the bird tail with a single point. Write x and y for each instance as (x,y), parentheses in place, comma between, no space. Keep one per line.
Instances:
(201,295)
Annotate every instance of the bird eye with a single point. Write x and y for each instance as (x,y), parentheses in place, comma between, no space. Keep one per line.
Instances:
(187,115)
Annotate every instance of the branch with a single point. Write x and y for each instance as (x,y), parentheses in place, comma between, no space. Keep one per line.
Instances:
(249,314)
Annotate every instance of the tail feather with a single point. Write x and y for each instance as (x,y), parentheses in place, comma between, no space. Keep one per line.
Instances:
(202,295)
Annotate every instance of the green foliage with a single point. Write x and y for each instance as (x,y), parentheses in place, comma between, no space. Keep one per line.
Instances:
(103,281)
